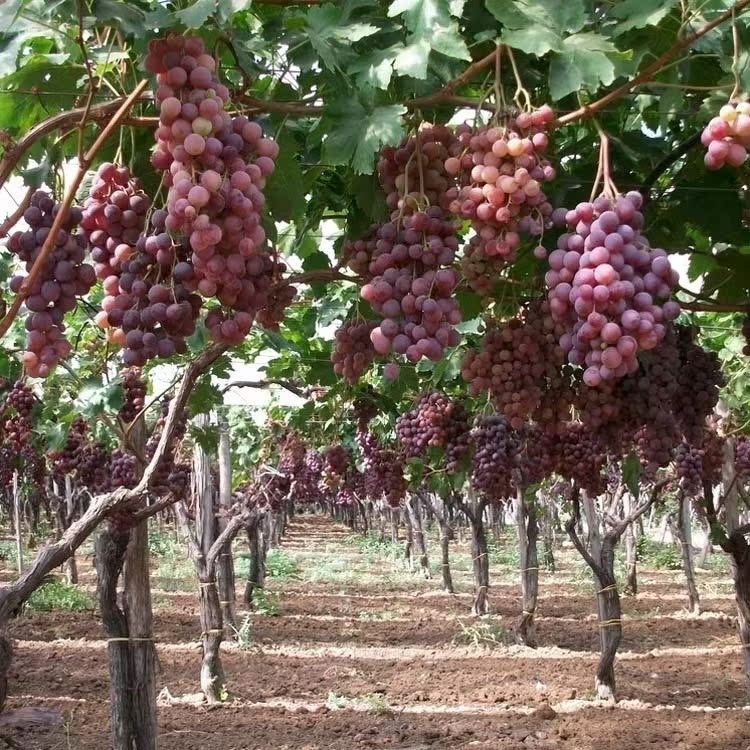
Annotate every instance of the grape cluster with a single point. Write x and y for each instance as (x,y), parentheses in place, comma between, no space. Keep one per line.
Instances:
(64,278)
(411,286)
(307,486)
(66,460)
(169,476)
(292,456)
(134,394)
(727,137)
(336,461)
(216,167)
(517,362)
(688,462)
(581,455)
(742,458)
(437,421)
(700,379)
(353,351)
(93,467)
(656,441)
(496,455)
(609,287)
(123,469)
(413,174)
(501,169)
(114,217)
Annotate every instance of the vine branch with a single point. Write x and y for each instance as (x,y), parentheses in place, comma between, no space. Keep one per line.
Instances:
(62,214)
(587,110)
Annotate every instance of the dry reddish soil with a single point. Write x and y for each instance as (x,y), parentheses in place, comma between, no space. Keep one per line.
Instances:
(384,648)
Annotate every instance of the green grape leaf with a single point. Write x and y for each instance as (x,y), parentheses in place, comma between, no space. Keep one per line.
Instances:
(582,62)
(635,14)
(196,15)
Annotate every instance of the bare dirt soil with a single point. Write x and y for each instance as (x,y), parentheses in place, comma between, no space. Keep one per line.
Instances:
(364,655)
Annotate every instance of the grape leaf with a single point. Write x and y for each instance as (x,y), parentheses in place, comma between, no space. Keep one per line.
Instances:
(196,15)
(631,473)
(412,59)
(375,68)
(635,14)
(356,134)
(285,191)
(582,62)
(431,21)
(128,15)
(542,16)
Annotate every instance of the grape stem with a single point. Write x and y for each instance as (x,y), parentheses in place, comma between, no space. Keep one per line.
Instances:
(664,164)
(288,384)
(715,307)
(650,71)
(53,555)
(15,217)
(49,243)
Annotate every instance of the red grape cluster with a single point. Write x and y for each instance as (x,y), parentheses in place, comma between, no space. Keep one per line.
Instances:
(63,278)
(216,168)
(581,455)
(169,475)
(609,287)
(688,462)
(496,455)
(292,456)
(93,467)
(307,485)
(123,469)
(437,421)
(742,458)
(502,168)
(656,441)
(411,286)
(114,217)
(413,173)
(353,351)
(516,363)
(336,461)
(66,460)
(134,394)
(700,379)
(727,137)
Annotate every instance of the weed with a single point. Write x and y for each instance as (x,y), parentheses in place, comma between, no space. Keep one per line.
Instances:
(56,595)
(243,635)
(661,555)
(382,616)
(375,702)
(163,543)
(483,634)
(266,603)
(372,546)
(280,565)
(505,555)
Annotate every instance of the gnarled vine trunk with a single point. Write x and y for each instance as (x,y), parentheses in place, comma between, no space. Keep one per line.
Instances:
(680,525)
(225,566)
(474,512)
(526,526)
(414,510)
(631,553)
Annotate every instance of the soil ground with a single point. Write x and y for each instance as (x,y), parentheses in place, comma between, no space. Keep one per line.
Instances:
(363,654)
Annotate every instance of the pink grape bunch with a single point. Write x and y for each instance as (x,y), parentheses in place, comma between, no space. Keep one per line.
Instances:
(496,447)
(413,174)
(134,394)
(580,456)
(114,217)
(216,167)
(742,458)
(688,464)
(336,461)
(437,421)
(501,170)
(727,136)
(609,287)
(353,351)
(65,277)
(515,362)
(412,286)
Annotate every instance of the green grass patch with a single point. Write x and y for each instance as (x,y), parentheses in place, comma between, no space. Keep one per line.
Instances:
(57,596)
(485,633)
(282,566)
